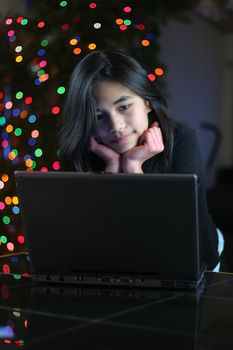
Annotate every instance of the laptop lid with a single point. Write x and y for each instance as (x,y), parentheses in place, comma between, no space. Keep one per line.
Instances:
(111,224)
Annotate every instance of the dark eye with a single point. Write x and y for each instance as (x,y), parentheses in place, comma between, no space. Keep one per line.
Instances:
(101,116)
(123,108)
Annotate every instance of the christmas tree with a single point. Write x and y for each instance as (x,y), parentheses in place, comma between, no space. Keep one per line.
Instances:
(37,56)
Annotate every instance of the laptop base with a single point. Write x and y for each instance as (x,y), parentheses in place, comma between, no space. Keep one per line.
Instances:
(116,280)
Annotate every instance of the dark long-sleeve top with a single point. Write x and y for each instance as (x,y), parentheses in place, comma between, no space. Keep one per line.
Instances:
(187,160)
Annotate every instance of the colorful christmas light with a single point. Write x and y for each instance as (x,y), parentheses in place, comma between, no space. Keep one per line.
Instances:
(44,48)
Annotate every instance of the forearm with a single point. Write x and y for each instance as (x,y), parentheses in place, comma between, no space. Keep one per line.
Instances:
(131,167)
(112,167)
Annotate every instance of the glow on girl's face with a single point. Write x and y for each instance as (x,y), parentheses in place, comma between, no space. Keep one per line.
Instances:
(122,116)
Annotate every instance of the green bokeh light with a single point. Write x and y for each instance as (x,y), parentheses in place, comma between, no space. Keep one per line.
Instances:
(127,22)
(24,22)
(19,95)
(44,42)
(63,3)
(61,90)
(15,151)
(33,165)
(18,131)
(40,72)
(3,239)
(2,120)
(6,220)
(38,152)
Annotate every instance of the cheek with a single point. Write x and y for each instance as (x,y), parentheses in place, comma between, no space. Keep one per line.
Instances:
(146,121)
(99,133)
(142,123)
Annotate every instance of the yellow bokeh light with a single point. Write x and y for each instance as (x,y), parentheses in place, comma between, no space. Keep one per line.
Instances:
(5,177)
(9,128)
(28,162)
(73,41)
(92,46)
(11,155)
(8,200)
(19,58)
(15,200)
(145,42)
(119,21)
(43,77)
(159,71)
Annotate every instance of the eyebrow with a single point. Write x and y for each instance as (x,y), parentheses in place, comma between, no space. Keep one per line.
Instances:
(121,99)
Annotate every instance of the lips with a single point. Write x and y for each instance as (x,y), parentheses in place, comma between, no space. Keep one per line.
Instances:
(123,138)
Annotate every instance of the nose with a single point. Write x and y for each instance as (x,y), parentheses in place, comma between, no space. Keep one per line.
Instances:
(116,123)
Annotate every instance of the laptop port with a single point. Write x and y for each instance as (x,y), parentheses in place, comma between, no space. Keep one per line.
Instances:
(105,279)
(47,278)
(125,279)
(79,292)
(139,280)
(48,290)
(79,278)
(61,279)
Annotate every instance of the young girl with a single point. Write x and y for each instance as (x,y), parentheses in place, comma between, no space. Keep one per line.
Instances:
(115,121)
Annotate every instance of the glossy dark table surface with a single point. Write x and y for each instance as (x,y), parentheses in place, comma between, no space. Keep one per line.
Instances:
(38,317)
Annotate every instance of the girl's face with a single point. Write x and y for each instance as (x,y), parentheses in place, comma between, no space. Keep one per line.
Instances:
(122,116)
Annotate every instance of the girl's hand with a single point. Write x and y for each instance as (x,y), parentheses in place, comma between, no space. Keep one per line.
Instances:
(110,157)
(150,144)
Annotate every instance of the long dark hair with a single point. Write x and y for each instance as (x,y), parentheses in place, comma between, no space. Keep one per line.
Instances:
(79,118)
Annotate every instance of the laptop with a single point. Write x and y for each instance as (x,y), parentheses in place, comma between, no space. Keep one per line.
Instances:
(107,229)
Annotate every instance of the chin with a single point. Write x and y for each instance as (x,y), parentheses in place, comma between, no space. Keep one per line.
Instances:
(125,148)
